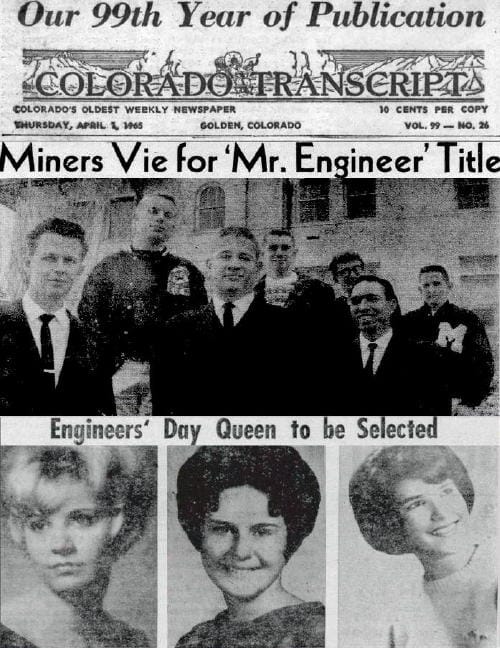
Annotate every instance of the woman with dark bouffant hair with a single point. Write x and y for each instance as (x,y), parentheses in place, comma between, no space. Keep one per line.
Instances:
(418,500)
(73,511)
(247,510)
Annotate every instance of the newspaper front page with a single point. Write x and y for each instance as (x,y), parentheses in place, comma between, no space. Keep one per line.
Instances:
(249,324)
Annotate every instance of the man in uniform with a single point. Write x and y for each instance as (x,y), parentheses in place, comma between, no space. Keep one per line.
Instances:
(129,293)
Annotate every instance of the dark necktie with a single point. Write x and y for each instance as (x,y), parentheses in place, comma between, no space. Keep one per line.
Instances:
(227,317)
(369,363)
(47,354)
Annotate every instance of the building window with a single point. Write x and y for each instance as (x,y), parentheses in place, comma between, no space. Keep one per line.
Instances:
(313,200)
(120,214)
(472,194)
(211,207)
(360,198)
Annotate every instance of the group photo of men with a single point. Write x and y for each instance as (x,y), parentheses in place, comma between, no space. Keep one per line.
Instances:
(249,297)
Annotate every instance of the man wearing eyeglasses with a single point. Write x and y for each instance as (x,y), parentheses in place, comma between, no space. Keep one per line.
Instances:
(345,267)
(310,300)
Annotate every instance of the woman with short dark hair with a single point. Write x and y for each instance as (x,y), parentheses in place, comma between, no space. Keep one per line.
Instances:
(247,510)
(412,499)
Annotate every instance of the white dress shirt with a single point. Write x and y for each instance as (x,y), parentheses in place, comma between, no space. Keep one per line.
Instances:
(381,343)
(241,306)
(59,330)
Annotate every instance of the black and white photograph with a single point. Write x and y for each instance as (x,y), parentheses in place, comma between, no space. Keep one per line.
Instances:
(135,297)
(418,547)
(78,547)
(246,547)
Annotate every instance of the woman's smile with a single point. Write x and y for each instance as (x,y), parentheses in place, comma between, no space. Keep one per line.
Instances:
(243,545)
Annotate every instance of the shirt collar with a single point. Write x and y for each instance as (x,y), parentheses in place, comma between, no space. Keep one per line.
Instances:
(441,308)
(241,305)
(149,254)
(382,342)
(33,310)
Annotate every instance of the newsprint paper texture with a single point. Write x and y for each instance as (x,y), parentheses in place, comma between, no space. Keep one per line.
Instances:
(179,472)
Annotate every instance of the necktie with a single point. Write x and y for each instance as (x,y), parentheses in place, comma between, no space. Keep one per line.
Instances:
(369,363)
(227,317)
(47,352)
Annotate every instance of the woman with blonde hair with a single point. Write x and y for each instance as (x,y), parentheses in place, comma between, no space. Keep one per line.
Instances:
(73,511)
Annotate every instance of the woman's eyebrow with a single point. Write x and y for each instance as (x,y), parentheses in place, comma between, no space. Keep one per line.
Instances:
(411,498)
(440,486)
(274,525)
(215,521)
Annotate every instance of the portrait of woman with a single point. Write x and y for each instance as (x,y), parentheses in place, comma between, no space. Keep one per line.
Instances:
(72,512)
(246,511)
(418,501)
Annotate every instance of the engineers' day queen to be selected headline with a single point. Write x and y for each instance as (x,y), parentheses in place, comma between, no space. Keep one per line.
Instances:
(324,428)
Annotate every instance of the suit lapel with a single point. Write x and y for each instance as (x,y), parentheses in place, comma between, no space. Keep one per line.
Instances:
(21,334)
(389,358)
(74,350)
(356,357)
(251,312)
(209,317)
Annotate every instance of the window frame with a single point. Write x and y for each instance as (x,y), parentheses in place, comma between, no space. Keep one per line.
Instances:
(220,218)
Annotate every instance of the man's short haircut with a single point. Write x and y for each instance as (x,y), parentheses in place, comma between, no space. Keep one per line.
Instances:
(122,477)
(239,232)
(344,257)
(279,232)
(144,188)
(385,283)
(277,471)
(156,193)
(435,268)
(373,485)
(59,226)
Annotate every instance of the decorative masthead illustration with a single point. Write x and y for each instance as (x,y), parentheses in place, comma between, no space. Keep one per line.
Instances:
(340,75)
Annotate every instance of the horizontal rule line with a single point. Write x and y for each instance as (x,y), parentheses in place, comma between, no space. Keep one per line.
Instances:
(284,138)
(107,100)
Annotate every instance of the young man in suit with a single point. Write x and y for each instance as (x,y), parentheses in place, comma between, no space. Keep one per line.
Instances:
(45,366)
(456,333)
(233,356)
(389,374)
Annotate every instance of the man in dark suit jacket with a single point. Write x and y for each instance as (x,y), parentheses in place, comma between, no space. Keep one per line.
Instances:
(386,373)
(233,356)
(345,267)
(45,367)
(457,334)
